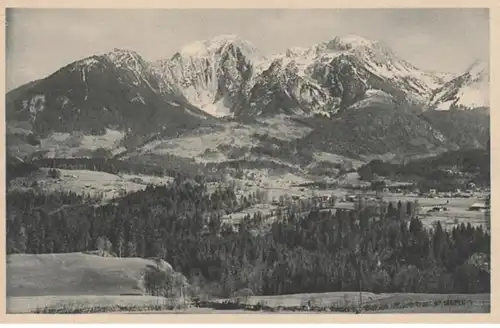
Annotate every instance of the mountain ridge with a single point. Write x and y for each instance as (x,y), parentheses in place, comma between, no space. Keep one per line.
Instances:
(127,101)
(295,76)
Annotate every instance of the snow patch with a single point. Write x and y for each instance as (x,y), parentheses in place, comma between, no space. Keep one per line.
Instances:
(372,98)
(354,41)
(470,90)
(217,109)
(206,48)
(444,105)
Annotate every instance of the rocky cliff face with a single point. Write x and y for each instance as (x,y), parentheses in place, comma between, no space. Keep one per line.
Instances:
(229,76)
(118,100)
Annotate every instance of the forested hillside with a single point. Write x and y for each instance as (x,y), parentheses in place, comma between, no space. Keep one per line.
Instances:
(378,249)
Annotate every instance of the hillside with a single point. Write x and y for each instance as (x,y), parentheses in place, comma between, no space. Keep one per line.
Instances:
(466,91)
(447,171)
(374,130)
(75,274)
(356,93)
(465,129)
(108,101)
(183,223)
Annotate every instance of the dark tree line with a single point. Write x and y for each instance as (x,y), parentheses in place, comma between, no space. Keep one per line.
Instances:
(444,172)
(112,166)
(170,165)
(384,249)
(19,170)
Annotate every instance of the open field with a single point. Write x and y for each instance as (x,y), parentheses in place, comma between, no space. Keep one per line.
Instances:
(458,209)
(31,275)
(286,185)
(279,185)
(109,186)
(336,302)
(85,303)
(344,299)
(485,308)
(318,299)
(75,144)
(78,281)
(82,283)
(265,209)
(438,309)
(89,182)
(206,146)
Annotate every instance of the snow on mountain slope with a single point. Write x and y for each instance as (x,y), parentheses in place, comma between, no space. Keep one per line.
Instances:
(371,63)
(210,74)
(229,76)
(280,88)
(219,44)
(374,98)
(383,70)
(115,91)
(469,90)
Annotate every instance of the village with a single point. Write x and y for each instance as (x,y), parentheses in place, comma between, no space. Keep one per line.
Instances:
(468,205)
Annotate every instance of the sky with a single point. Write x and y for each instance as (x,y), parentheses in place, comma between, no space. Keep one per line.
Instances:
(40,41)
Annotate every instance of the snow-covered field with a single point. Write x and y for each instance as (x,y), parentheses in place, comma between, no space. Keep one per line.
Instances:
(343,299)
(75,280)
(319,299)
(75,274)
(27,304)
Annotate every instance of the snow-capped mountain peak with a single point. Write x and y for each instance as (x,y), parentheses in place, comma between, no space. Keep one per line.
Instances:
(226,71)
(121,58)
(126,58)
(226,75)
(479,70)
(468,90)
(349,42)
(353,44)
(211,74)
(217,45)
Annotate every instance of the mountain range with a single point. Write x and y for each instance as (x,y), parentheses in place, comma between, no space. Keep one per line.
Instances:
(348,96)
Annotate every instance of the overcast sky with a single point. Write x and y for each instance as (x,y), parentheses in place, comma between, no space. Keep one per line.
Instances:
(39,41)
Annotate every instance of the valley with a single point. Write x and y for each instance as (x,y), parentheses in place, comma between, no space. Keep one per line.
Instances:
(222,179)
